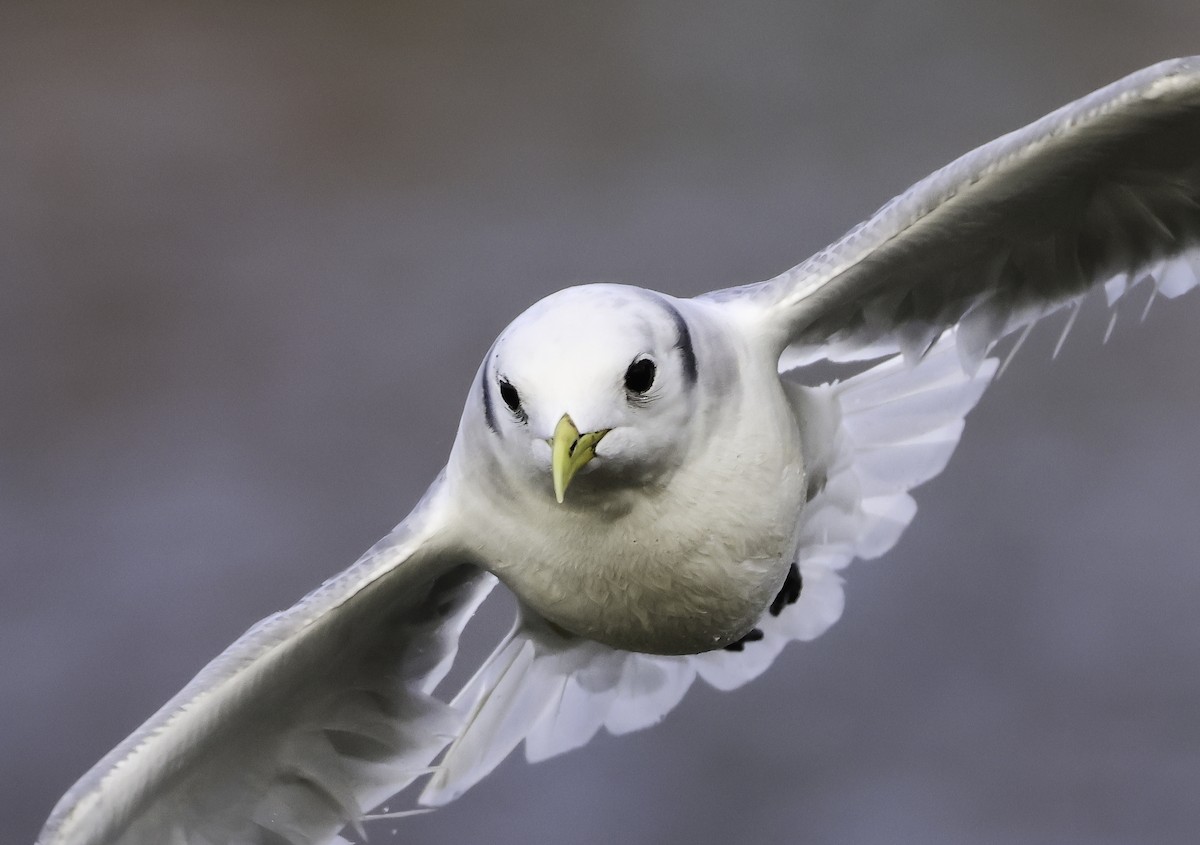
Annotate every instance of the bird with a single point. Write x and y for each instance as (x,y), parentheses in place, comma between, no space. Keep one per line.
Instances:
(662,494)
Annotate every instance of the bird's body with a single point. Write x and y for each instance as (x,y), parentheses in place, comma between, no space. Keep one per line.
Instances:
(664,502)
(667,562)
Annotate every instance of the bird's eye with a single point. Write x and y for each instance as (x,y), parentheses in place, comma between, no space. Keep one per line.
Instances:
(510,396)
(640,376)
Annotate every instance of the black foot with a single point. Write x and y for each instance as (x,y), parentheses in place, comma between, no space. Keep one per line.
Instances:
(793,584)
(754,636)
(789,592)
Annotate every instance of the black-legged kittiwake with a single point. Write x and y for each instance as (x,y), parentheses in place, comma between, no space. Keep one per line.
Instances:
(664,502)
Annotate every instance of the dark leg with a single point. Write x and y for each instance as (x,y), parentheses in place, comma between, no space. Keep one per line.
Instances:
(789,592)
(754,636)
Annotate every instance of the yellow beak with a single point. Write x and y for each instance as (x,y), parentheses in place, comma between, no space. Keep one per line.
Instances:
(569,451)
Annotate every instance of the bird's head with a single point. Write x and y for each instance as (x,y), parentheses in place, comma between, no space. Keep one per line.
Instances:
(592,389)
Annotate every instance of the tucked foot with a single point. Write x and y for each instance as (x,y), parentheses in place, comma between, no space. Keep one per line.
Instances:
(754,636)
(789,592)
(793,584)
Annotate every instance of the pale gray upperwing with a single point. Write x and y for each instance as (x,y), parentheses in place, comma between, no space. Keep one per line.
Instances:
(1104,190)
(314,715)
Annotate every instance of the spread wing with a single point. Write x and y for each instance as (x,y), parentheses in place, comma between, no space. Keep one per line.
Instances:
(1104,191)
(313,716)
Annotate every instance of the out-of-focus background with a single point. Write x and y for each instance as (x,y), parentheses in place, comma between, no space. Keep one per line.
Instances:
(251,254)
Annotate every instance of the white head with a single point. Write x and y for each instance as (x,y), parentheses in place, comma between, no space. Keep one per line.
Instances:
(592,388)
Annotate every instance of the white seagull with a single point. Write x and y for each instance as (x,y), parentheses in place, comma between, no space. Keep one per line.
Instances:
(663,501)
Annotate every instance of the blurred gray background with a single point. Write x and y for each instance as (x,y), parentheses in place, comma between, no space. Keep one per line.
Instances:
(251,254)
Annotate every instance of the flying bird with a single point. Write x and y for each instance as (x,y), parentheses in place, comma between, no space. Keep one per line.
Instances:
(665,503)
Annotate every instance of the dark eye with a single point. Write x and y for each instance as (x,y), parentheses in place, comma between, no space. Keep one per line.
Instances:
(510,396)
(640,376)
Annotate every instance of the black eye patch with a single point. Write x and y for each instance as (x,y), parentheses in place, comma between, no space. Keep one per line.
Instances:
(640,376)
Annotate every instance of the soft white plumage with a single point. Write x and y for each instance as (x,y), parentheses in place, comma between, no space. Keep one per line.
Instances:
(604,564)
(706,486)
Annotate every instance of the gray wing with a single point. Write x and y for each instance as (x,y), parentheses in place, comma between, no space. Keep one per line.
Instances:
(314,715)
(1104,190)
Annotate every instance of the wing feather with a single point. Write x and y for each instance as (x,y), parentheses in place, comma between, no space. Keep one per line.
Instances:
(314,715)
(1100,191)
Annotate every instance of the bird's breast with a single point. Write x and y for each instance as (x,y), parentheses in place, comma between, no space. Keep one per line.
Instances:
(684,570)
(659,595)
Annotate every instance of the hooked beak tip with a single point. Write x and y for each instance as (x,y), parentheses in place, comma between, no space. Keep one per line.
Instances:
(569,452)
